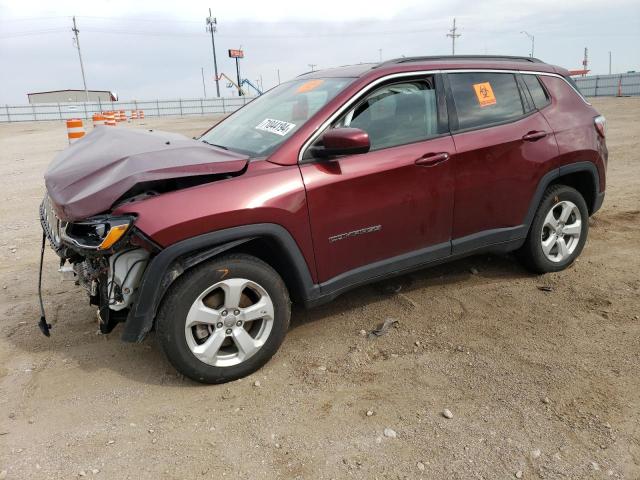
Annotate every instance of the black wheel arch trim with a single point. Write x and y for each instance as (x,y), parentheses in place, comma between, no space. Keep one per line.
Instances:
(559,172)
(174,260)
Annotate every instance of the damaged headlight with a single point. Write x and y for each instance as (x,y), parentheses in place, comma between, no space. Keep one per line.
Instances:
(99,233)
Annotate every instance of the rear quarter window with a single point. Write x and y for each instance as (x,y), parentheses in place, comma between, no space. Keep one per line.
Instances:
(538,93)
(482,99)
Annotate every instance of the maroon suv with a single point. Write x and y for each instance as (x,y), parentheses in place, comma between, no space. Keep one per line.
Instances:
(332,180)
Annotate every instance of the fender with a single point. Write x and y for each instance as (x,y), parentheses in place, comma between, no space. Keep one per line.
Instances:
(174,260)
(556,173)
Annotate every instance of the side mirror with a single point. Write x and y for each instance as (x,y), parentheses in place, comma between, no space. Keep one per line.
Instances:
(343,141)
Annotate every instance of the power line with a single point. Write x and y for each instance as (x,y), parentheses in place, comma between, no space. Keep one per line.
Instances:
(452,33)
(34,32)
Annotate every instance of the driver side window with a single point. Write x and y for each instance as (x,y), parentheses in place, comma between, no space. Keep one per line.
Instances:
(395,114)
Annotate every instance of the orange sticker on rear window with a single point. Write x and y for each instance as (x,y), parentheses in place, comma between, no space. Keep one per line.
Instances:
(485,95)
(308,86)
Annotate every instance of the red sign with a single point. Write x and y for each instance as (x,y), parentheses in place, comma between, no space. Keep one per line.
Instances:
(236,53)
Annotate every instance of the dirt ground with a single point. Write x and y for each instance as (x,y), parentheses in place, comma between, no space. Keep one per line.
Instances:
(540,384)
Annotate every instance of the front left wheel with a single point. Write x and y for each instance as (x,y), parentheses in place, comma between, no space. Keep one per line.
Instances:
(224,319)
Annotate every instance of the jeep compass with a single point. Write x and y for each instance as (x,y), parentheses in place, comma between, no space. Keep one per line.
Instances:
(335,179)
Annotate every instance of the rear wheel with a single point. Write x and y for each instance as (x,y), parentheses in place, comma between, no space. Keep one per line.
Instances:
(224,319)
(558,231)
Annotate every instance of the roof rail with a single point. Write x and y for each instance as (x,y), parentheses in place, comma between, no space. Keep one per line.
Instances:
(494,58)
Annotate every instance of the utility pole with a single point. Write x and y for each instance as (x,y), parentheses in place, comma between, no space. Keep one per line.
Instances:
(532,41)
(452,33)
(278,76)
(609,62)
(212,27)
(77,42)
(313,66)
(204,85)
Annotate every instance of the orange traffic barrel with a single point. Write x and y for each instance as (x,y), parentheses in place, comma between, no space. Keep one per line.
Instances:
(134,114)
(109,119)
(122,116)
(140,113)
(98,119)
(75,130)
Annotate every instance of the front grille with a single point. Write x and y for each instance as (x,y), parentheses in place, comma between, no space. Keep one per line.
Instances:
(51,224)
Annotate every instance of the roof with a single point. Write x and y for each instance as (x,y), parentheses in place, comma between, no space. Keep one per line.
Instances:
(438,62)
(74,90)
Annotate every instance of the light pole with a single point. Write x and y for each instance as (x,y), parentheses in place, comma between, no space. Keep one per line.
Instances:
(313,66)
(204,85)
(532,41)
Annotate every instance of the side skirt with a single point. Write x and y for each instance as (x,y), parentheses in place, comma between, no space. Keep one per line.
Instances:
(496,241)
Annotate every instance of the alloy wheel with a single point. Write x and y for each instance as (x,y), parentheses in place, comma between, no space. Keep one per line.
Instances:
(561,231)
(229,322)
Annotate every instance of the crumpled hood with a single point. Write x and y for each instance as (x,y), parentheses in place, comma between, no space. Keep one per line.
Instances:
(89,176)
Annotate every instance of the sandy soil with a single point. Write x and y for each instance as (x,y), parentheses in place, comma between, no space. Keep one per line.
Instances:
(540,384)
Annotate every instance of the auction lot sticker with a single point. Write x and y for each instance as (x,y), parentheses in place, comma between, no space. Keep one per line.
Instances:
(275,126)
(484,93)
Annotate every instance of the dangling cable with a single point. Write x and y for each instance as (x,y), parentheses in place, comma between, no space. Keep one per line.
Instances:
(44,326)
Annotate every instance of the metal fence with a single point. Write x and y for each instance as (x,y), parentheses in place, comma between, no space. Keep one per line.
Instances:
(152,108)
(624,84)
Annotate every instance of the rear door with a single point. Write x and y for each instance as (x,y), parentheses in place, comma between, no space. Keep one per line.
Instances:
(503,147)
(368,210)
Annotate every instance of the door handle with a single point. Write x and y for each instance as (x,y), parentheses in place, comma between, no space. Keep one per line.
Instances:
(533,136)
(431,159)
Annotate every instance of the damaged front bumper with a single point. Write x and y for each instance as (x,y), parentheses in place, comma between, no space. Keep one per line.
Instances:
(107,255)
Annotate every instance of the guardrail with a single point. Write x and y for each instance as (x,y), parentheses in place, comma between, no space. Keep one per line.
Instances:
(623,84)
(152,108)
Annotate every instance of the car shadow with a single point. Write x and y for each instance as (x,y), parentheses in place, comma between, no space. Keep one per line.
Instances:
(503,267)
(75,342)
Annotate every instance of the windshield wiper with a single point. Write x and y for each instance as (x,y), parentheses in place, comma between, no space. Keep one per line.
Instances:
(214,145)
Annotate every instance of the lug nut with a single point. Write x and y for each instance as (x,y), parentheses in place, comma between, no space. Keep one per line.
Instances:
(228,331)
(219,325)
(236,312)
(239,323)
(224,313)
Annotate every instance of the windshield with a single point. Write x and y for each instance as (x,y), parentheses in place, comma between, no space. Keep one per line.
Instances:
(261,126)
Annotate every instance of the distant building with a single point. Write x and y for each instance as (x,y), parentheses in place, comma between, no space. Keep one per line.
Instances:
(60,96)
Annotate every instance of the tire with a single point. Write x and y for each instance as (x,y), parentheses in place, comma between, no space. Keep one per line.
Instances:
(203,323)
(554,243)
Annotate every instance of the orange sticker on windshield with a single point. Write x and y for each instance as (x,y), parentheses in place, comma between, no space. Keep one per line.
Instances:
(485,95)
(308,86)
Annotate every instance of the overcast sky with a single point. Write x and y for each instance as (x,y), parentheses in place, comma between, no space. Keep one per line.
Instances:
(149,49)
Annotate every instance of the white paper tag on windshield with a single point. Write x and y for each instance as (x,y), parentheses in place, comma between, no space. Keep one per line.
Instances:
(275,126)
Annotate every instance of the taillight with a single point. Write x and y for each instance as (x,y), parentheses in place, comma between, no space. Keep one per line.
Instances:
(601,125)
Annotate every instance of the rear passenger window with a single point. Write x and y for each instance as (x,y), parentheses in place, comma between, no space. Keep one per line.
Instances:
(539,95)
(485,98)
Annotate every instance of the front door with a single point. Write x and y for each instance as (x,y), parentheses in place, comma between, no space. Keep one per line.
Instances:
(392,206)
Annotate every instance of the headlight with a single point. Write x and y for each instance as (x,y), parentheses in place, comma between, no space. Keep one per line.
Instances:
(100,233)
